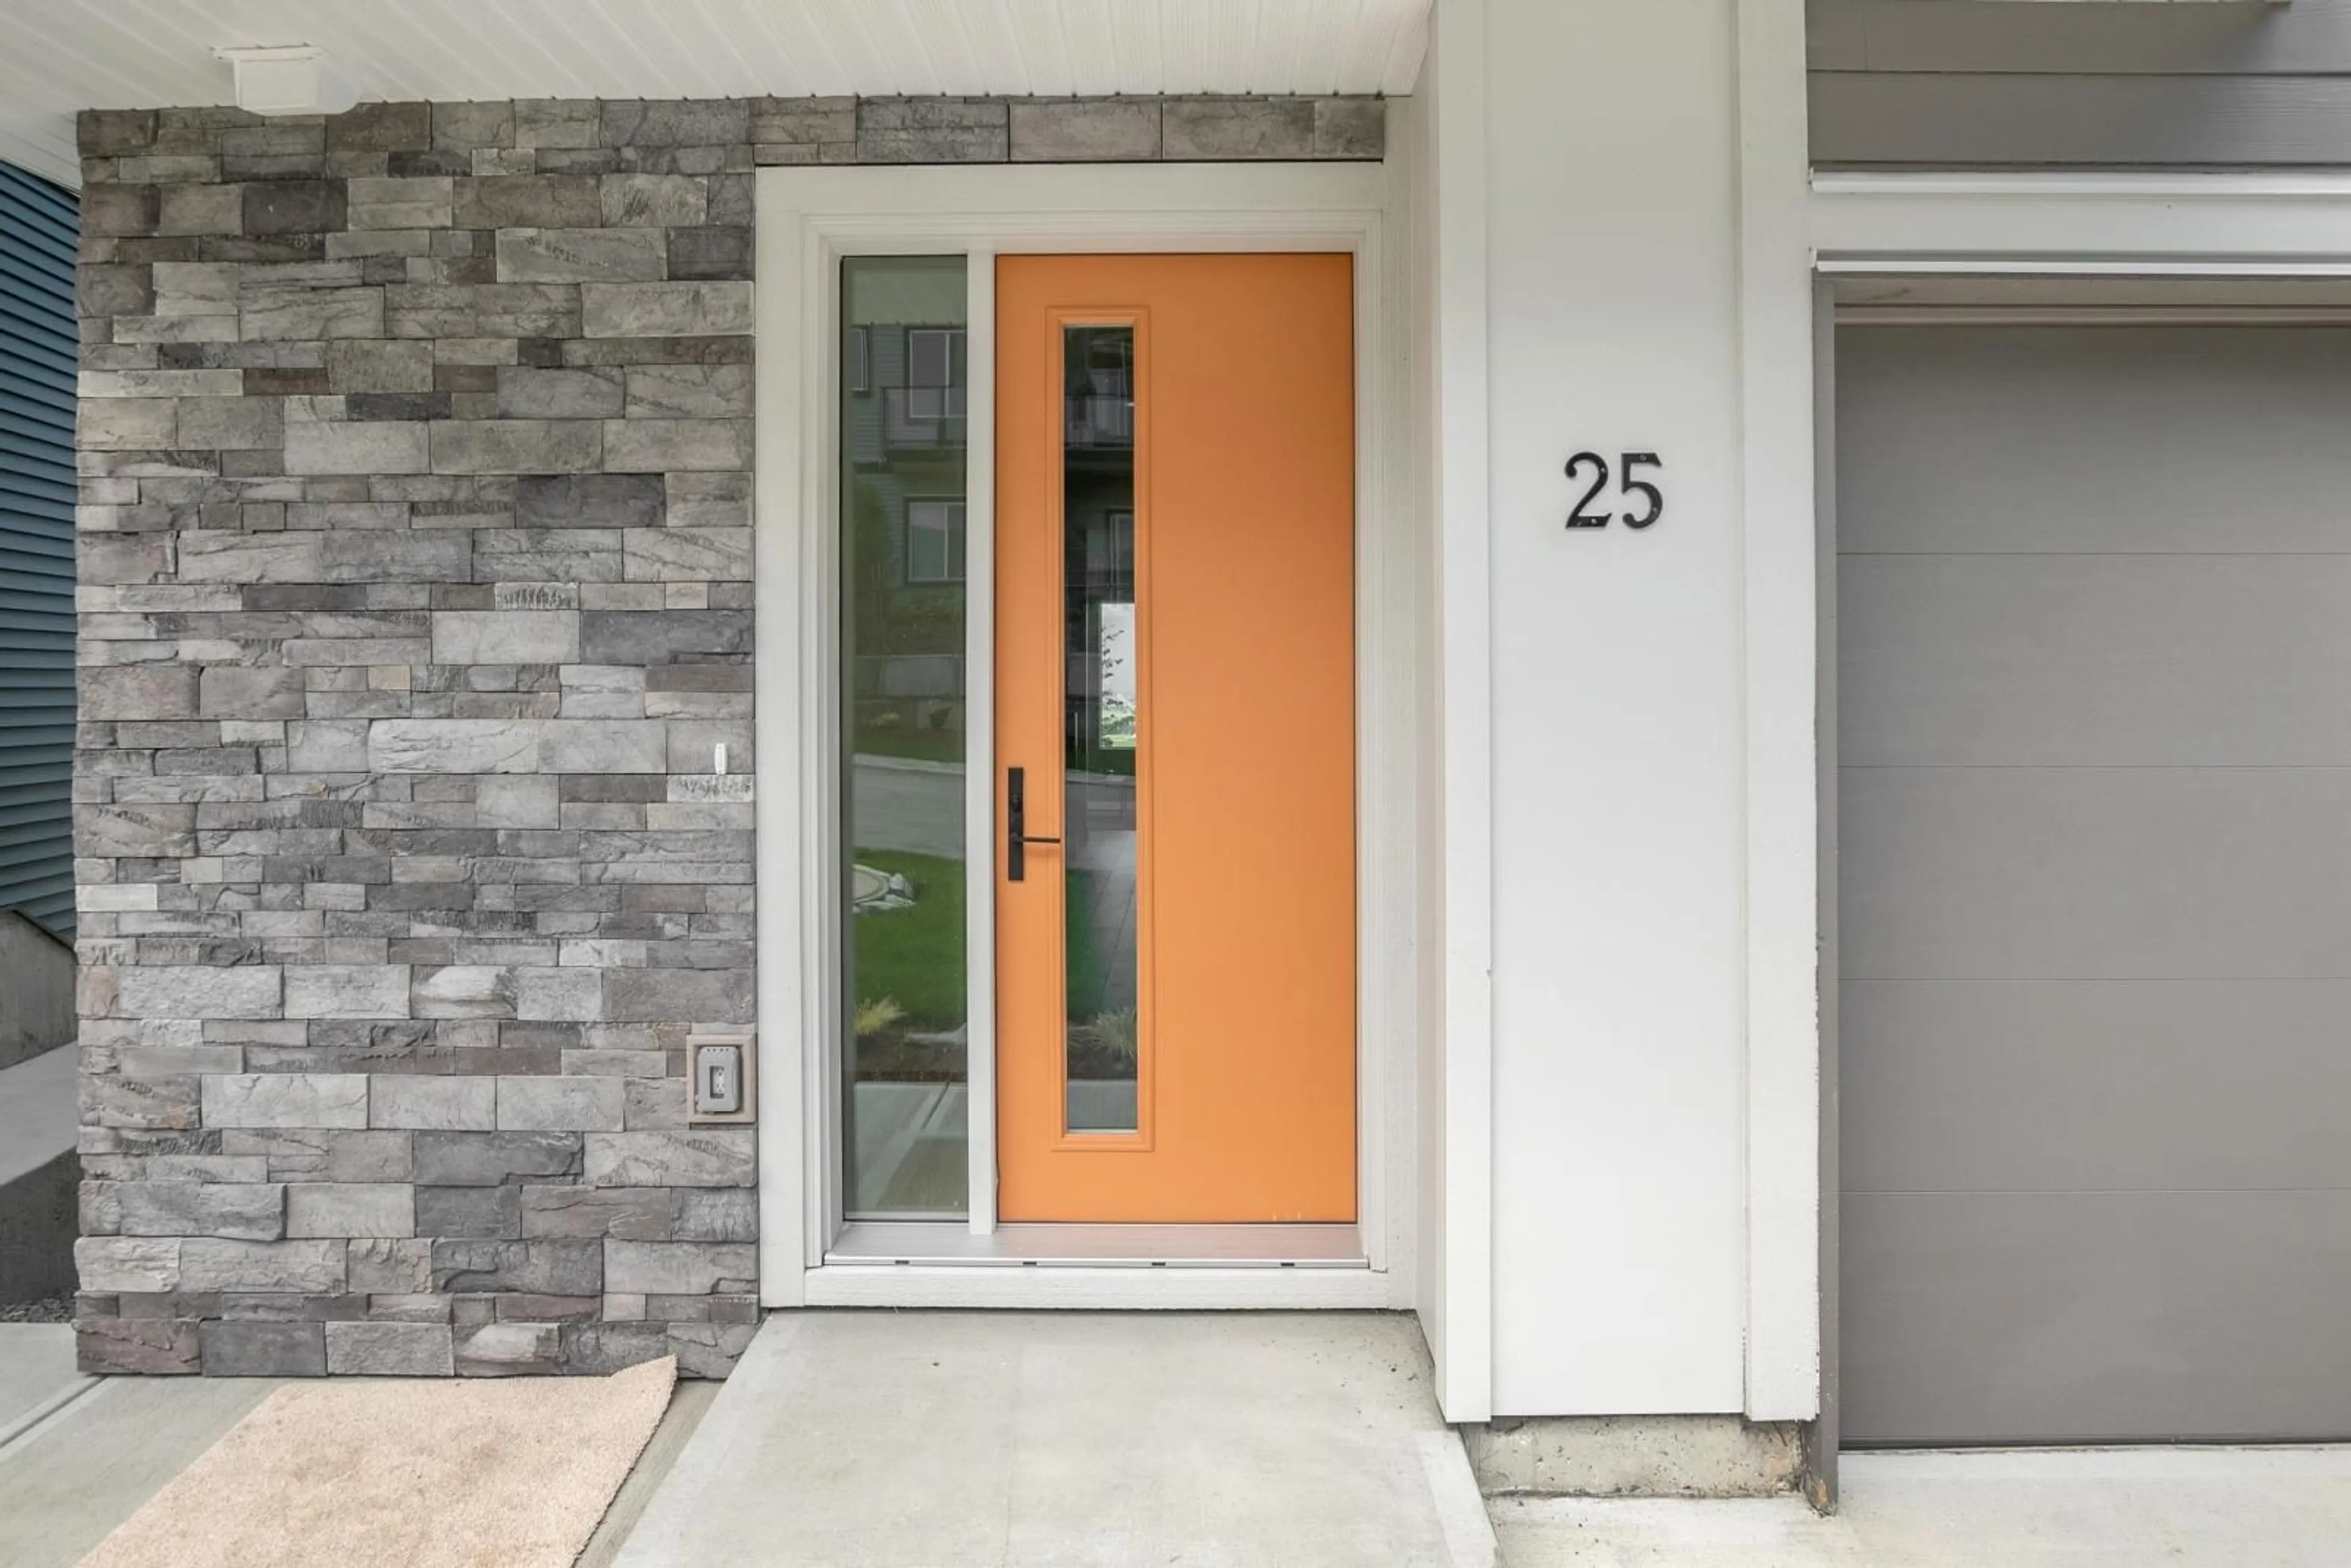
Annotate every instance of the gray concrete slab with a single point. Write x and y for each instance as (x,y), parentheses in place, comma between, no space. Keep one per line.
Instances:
(2191,1508)
(37,1373)
(37,1001)
(687,1407)
(959,1439)
(38,1117)
(70,1479)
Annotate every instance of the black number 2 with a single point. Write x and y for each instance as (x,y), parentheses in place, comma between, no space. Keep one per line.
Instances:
(1580,518)
(1584,517)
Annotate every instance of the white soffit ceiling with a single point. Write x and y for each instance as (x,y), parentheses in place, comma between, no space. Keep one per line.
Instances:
(60,56)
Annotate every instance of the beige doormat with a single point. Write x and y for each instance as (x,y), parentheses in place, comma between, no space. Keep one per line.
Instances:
(513,1473)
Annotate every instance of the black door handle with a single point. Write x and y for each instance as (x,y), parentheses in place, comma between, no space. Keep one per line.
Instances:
(1017,838)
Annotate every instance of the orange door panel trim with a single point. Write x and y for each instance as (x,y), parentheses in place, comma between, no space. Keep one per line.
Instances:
(1245,770)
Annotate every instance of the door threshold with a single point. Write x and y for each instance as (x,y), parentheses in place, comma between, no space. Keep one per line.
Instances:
(949,1243)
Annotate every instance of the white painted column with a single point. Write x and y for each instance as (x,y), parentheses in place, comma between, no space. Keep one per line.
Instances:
(1783,636)
(1458,1094)
(1631,878)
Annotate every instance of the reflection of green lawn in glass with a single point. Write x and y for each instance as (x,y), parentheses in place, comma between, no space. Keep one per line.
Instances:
(914,957)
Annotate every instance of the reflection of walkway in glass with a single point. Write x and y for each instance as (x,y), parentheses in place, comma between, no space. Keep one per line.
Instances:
(1104,1028)
(1102,854)
(907,804)
(912,1156)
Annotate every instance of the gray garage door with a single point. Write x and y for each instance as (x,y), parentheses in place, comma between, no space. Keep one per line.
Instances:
(2094,882)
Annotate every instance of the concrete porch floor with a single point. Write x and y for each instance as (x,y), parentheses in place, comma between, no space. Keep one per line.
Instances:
(945,1439)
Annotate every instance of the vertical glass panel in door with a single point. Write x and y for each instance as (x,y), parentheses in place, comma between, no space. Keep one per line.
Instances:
(903,401)
(1102,730)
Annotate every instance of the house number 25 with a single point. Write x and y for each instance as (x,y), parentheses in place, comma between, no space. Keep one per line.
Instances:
(1629,465)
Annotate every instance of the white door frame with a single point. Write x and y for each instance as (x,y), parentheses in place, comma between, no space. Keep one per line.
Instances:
(809,219)
(2059,248)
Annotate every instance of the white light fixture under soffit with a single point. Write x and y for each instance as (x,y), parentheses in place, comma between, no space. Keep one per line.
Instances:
(287,78)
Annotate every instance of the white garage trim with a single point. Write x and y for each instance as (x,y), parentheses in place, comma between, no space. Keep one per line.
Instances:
(1987,246)
(2111,225)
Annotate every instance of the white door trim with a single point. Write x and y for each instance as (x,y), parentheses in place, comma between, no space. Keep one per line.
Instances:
(808,219)
(1098,1288)
(979,722)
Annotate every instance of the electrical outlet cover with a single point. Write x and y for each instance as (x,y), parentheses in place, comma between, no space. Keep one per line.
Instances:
(721,1072)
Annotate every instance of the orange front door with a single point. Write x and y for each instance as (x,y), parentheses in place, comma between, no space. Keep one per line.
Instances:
(1175,689)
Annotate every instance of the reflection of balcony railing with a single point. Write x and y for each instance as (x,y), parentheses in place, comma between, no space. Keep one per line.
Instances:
(1092,421)
(923,418)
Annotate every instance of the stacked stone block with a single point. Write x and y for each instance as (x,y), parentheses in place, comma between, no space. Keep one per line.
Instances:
(416,553)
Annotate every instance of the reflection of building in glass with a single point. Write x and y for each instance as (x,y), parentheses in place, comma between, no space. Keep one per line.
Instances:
(1101,657)
(903,432)
(1098,523)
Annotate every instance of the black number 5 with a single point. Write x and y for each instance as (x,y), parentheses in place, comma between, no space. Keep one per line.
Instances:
(1657,498)
(1580,518)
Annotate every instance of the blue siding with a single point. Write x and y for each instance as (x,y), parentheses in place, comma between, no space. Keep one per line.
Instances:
(39,229)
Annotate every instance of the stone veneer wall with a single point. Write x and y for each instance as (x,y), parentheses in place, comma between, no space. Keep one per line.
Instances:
(416,559)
